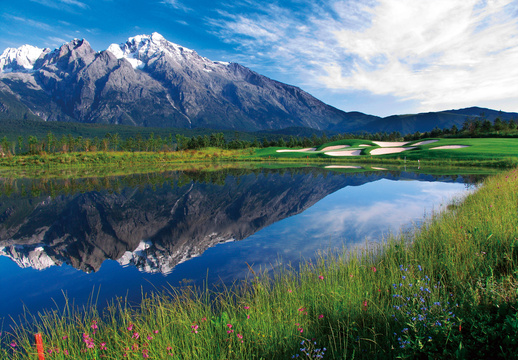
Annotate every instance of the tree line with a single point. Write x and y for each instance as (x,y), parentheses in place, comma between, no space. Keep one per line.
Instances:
(472,127)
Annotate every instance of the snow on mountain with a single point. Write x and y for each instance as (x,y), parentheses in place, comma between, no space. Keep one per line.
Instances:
(33,257)
(22,58)
(140,49)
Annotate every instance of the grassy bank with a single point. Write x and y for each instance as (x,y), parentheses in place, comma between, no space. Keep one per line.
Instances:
(482,152)
(447,291)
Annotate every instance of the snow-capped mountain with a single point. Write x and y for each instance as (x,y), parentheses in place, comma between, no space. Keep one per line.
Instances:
(21,59)
(149,81)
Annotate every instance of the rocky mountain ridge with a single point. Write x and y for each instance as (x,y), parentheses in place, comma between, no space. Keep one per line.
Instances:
(149,81)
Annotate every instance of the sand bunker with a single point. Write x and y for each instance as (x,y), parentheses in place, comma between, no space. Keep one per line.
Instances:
(425,142)
(298,150)
(336,147)
(390,144)
(393,150)
(449,147)
(343,167)
(344,153)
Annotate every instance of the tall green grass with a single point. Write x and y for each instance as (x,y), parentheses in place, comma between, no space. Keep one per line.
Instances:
(447,290)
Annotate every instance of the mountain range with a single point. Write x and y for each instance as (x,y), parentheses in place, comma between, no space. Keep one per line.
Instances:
(149,81)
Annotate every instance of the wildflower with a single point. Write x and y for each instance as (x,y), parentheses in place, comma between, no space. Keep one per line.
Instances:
(364,305)
(290,291)
(373,269)
(321,316)
(136,335)
(321,277)
(64,337)
(130,327)
(246,307)
(13,344)
(419,267)
(229,326)
(145,353)
(149,337)
(134,347)
(155,331)
(194,329)
(103,346)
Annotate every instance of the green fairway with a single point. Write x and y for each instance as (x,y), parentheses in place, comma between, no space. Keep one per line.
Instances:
(474,149)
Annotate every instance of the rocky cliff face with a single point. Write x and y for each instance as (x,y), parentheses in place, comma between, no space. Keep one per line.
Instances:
(149,81)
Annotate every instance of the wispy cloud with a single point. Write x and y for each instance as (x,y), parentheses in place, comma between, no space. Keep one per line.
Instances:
(443,53)
(177,4)
(58,4)
(29,22)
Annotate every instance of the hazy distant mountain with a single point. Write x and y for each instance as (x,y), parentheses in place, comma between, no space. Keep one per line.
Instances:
(149,81)
(428,121)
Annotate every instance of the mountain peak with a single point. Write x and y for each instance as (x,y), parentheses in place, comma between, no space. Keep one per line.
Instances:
(20,59)
(141,48)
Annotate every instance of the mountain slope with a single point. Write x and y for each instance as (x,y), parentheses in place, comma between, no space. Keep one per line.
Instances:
(149,81)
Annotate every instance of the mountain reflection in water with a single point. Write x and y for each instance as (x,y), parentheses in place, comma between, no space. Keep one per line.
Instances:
(155,222)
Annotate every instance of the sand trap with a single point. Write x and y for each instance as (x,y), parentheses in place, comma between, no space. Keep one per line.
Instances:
(378,168)
(394,150)
(425,142)
(449,147)
(364,145)
(343,167)
(298,150)
(390,144)
(336,147)
(344,153)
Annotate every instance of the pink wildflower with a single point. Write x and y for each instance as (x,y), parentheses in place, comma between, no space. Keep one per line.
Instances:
(321,316)
(194,329)
(136,335)
(246,307)
(321,277)
(130,327)
(373,269)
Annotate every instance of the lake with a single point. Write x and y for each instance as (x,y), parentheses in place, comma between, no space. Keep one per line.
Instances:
(122,236)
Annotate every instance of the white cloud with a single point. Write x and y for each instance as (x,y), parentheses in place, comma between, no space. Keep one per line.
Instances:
(59,3)
(176,4)
(443,53)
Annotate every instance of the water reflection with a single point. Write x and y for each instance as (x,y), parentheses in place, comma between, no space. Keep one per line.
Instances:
(153,223)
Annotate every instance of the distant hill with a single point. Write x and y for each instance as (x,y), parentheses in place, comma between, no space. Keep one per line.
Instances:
(411,123)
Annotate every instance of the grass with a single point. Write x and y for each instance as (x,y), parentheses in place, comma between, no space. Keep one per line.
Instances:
(489,152)
(495,152)
(448,290)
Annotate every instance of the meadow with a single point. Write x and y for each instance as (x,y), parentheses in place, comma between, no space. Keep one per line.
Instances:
(445,290)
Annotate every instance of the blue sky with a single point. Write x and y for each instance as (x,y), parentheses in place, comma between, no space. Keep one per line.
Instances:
(379,57)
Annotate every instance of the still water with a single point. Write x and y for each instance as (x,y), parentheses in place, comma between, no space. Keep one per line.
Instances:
(122,236)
